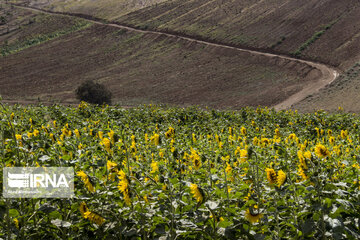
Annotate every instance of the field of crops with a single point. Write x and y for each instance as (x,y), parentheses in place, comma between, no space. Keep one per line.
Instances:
(171,173)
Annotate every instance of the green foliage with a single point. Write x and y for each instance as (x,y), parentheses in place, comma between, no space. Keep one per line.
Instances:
(162,152)
(315,37)
(92,92)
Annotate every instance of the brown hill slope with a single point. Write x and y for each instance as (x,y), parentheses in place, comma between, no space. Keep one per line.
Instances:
(322,30)
(108,9)
(326,31)
(25,28)
(143,68)
(344,92)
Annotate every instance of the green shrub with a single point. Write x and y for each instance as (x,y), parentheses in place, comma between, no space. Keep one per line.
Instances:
(92,92)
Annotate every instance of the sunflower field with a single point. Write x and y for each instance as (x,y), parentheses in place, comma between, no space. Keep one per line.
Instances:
(185,173)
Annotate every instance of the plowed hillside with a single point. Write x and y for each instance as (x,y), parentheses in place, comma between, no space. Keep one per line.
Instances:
(108,9)
(326,31)
(144,68)
(25,28)
(323,30)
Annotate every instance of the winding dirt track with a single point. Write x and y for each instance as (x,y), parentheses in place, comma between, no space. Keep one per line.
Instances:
(328,74)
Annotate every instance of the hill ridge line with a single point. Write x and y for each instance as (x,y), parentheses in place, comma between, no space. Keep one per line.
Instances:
(328,73)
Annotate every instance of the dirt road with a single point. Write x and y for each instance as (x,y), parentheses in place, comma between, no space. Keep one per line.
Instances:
(328,75)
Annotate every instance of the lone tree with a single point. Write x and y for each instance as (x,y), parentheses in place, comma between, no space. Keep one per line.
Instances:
(92,92)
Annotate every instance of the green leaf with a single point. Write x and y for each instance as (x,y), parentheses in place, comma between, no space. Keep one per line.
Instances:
(44,158)
(316,216)
(212,205)
(13,213)
(334,223)
(271,209)
(60,223)
(46,208)
(328,202)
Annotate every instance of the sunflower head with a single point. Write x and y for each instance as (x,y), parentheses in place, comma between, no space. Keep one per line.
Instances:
(253,215)
(197,192)
(83,208)
(86,180)
(271,175)
(111,166)
(321,151)
(281,178)
(94,217)
(301,172)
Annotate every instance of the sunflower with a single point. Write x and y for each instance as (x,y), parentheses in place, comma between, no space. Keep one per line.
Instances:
(77,133)
(100,134)
(123,186)
(36,133)
(111,166)
(329,132)
(321,151)
(228,168)
(126,195)
(195,158)
(302,159)
(155,139)
(243,131)
(111,136)
(86,181)
(265,142)
(16,222)
(301,173)
(194,137)
(197,193)
(292,136)
(18,139)
(94,217)
(83,208)
(170,133)
(271,175)
(256,141)
(307,155)
(154,167)
(112,169)
(251,216)
(281,178)
(277,132)
(107,144)
(343,134)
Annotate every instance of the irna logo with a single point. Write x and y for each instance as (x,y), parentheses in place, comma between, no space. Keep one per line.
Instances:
(40,182)
(37,180)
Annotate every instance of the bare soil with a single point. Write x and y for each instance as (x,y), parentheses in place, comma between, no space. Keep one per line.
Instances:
(179,71)
(280,26)
(343,92)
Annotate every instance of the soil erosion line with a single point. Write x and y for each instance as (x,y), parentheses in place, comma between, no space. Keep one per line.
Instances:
(328,74)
